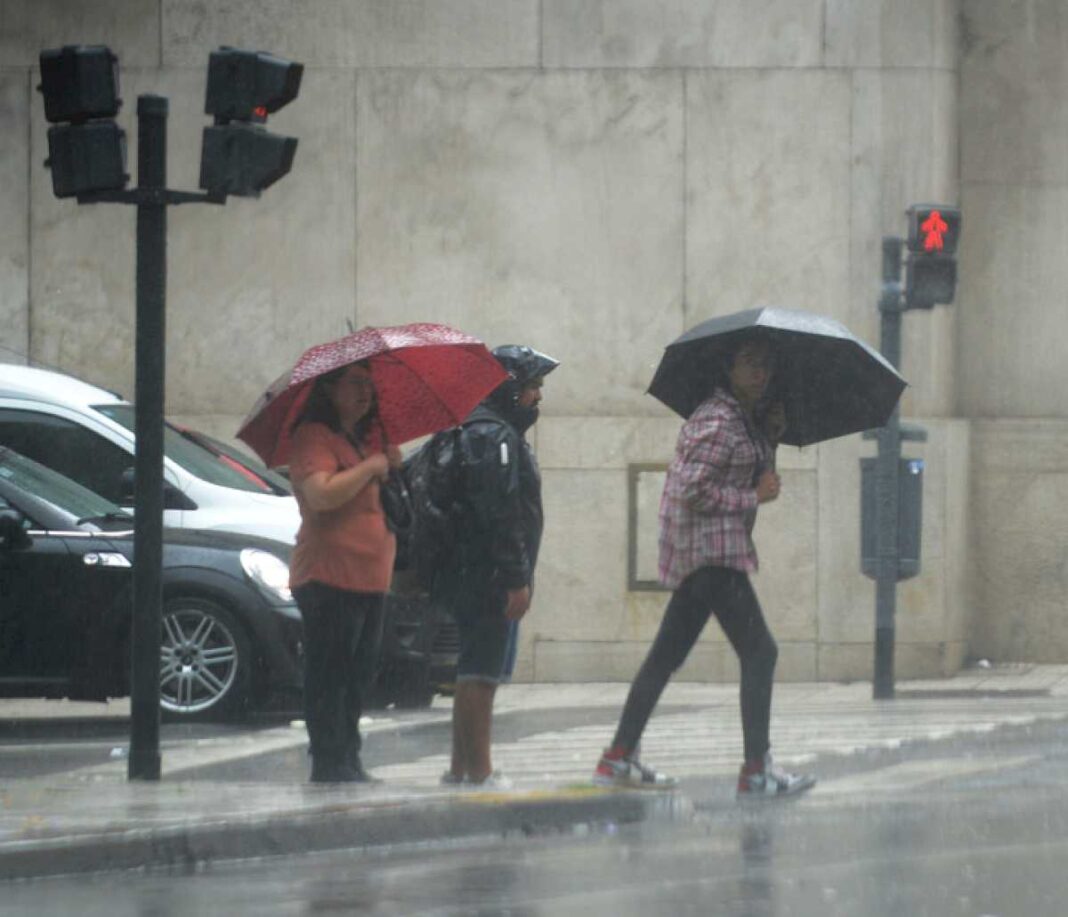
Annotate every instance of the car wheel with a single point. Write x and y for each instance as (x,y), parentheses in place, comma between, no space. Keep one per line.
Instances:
(205,661)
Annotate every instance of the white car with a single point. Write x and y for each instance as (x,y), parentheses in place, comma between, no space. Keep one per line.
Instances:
(87,433)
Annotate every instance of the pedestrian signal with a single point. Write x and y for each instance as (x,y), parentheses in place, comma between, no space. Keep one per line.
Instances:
(86,149)
(931,266)
(238,156)
(933,228)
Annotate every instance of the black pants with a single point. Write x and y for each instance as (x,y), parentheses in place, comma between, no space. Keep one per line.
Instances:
(342,634)
(729,595)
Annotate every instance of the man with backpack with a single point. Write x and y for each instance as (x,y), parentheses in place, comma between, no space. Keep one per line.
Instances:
(485,577)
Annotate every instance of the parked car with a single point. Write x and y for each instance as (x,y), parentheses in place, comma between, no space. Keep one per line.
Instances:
(87,434)
(417,661)
(231,631)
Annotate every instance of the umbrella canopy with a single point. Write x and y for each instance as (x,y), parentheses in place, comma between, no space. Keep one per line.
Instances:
(830,382)
(427,377)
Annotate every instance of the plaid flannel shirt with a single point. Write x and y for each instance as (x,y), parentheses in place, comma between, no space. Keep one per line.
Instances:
(709,503)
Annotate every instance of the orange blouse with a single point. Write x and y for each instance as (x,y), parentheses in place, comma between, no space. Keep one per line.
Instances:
(349,547)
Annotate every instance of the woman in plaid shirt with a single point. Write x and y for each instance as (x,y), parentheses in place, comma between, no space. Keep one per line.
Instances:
(722,470)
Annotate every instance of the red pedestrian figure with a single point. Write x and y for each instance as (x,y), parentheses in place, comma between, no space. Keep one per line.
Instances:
(933,227)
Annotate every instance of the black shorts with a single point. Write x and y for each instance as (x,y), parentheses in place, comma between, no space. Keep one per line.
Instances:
(483,630)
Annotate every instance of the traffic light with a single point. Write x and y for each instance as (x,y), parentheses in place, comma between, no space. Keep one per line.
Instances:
(237,155)
(931,267)
(86,149)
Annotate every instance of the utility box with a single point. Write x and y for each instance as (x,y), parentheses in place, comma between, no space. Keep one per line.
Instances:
(909,517)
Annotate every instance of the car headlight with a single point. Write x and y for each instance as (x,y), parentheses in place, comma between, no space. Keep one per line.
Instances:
(269,572)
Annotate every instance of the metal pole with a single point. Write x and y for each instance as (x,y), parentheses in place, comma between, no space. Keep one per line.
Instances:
(886,481)
(144,760)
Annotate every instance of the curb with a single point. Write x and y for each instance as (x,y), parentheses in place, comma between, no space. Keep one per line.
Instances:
(330,827)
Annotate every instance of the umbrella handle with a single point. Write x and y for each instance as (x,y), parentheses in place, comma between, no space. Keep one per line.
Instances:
(382,430)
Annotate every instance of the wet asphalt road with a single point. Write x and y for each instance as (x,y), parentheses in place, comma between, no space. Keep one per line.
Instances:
(975,826)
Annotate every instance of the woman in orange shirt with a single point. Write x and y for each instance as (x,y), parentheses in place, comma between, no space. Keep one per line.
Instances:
(342,562)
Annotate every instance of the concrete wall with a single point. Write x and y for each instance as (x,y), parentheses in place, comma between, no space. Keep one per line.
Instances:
(1014,163)
(1018,510)
(587,176)
(15,208)
(818,605)
(1013,322)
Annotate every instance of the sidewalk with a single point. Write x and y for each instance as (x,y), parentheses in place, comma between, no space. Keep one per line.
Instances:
(93,819)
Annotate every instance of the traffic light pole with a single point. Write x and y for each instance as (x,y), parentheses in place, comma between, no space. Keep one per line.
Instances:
(886,480)
(87,158)
(144,760)
(152,198)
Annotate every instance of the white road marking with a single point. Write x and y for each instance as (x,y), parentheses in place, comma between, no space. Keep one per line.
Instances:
(708,742)
(198,753)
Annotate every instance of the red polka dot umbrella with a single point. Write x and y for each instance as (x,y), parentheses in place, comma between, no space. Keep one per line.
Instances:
(427,377)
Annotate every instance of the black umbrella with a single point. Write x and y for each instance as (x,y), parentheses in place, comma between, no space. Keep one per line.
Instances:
(830,382)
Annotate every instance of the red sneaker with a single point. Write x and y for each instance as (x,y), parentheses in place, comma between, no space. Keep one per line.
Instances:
(629,773)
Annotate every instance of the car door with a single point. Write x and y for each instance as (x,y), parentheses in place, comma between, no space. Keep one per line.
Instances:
(67,446)
(37,610)
(100,620)
(55,594)
(73,447)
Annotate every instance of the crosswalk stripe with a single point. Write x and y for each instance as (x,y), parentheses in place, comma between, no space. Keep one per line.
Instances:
(708,741)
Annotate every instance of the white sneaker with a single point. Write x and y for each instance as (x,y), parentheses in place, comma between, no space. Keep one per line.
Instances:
(772,782)
(495,781)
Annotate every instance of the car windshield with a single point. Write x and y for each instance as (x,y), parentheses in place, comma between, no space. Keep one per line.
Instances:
(194,456)
(54,488)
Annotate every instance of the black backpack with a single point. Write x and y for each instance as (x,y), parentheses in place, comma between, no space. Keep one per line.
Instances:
(430,547)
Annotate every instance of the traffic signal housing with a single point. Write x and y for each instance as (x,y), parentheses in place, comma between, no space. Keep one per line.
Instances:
(238,156)
(931,266)
(86,148)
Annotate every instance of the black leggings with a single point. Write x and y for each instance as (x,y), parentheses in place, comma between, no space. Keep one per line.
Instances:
(729,594)
(342,634)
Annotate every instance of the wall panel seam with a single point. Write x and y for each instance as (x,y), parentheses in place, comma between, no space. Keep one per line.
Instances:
(541,34)
(30,92)
(685,200)
(356,197)
(1019,183)
(823,40)
(605,68)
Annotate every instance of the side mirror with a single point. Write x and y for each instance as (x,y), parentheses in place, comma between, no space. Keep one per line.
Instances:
(13,537)
(173,498)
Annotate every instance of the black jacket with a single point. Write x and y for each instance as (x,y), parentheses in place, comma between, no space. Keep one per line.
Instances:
(501,499)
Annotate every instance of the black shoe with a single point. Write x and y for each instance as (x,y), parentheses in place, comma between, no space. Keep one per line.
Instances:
(333,772)
(361,775)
